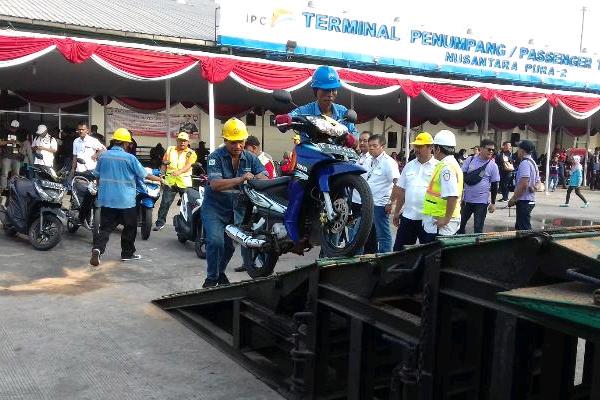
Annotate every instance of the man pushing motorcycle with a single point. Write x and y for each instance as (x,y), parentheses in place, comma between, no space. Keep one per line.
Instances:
(228,167)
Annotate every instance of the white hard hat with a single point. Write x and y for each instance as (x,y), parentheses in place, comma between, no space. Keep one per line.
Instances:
(14,123)
(41,129)
(445,138)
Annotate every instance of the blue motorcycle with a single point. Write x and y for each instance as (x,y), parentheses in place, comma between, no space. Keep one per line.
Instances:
(326,202)
(148,193)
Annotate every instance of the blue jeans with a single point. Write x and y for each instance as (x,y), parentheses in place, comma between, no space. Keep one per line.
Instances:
(219,247)
(479,212)
(553,182)
(523,222)
(381,222)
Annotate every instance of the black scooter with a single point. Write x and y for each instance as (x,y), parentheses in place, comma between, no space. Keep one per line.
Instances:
(34,208)
(83,185)
(187,223)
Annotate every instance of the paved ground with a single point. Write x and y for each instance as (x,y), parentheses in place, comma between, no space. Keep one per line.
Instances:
(66,333)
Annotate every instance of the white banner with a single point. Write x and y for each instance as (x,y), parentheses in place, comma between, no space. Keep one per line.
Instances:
(300,28)
(152,124)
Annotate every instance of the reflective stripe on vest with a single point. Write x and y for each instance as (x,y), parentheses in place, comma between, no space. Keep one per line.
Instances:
(434,205)
(178,161)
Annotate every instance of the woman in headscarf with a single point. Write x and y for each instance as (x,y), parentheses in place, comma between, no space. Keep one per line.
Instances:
(575,182)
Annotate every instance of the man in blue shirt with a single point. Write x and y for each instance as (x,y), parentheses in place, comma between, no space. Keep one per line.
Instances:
(117,172)
(325,84)
(228,167)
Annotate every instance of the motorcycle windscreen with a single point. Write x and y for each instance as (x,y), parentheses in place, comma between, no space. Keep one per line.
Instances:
(23,193)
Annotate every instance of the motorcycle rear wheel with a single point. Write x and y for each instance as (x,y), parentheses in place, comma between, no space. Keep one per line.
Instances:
(341,191)
(264,264)
(199,243)
(48,236)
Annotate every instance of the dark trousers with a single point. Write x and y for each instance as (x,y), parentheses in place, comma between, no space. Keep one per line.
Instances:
(168,195)
(86,207)
(479,212)
(523,222)
(408,232)
(504,185)
(109,219)
(577,192)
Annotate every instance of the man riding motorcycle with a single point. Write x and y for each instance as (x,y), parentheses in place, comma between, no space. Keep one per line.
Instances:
(325,84)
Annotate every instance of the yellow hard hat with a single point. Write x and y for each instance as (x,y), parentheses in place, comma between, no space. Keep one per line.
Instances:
(183,136)
(122,135)
(234,130)
(423,138)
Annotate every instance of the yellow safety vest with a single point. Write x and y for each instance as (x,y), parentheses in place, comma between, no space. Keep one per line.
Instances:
(434,205)
(178,161)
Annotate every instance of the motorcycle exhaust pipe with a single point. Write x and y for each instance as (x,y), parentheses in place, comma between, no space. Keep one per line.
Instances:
(239,236)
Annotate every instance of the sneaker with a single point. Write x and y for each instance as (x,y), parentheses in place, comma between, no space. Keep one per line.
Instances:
(209,283)
(95,259)
(158,227)
(240,269)
(586,205)
(131,257)
(564,205)
(223,280)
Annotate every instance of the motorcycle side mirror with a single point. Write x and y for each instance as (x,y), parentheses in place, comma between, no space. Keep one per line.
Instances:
(80,160)
(282,96)
(351,116)
(38,156)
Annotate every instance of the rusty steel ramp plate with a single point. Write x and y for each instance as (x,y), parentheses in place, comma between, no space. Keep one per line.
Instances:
(572,301)
(587,246)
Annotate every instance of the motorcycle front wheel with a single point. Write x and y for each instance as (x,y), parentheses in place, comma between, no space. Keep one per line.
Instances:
(348,232)
(47,236)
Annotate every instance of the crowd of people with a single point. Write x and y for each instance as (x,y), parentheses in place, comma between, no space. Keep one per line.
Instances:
(435,194)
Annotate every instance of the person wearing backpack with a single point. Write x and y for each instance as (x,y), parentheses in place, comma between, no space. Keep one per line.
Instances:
(481,177)
(528,181)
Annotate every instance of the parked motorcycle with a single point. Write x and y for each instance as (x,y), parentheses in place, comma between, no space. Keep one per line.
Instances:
(148,193)
(326,177)
(83,184)
(34,208)
(188,224)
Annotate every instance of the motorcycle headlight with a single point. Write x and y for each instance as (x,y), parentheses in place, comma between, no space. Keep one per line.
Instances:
(328,128)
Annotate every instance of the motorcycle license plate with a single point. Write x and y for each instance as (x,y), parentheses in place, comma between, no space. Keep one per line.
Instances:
(51,185)
(336,149)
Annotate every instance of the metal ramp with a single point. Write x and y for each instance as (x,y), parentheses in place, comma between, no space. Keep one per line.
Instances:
(441,321)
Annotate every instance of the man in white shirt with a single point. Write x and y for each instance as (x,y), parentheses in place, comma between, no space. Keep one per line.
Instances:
(44,146)
(382,174)
(87,148)
(363,148)
(441,207)
(409,193)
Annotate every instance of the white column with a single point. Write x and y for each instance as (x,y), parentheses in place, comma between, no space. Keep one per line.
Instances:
(587,146)
(104,105)
(59,119)
(352,100)
(262,129)
(90,112)
(168,109)
(548,149)
(486,121)
(407,135)
(211,116)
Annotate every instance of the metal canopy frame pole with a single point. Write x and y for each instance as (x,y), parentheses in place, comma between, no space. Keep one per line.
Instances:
(168,109)
(211,116)
(262,133)
(59,119)
(407,134)
(587,151)
(352,100)
(486,120)
(548,149)
(104,105)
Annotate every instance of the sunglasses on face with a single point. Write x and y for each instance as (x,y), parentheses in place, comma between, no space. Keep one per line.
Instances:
(490,150)
(329,90)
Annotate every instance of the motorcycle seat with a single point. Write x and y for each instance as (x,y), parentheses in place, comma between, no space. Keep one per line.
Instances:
(264,184)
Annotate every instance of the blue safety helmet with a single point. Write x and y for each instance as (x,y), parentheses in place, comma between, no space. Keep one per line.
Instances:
(325,78)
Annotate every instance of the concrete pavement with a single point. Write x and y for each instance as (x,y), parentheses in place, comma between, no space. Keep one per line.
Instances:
(67,333)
